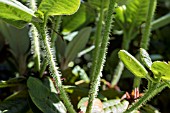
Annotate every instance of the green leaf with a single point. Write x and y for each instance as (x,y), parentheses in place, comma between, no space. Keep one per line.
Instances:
(12,82)
(77,44)
(115,106)
(78,71)
(161,69)
(122,2)
(120,13)
(15,13)
(45,99)
(59,7)
(136,11)
(145,58)
(97,3)
(17,38)
(132,64)
(84,15)
(16,103)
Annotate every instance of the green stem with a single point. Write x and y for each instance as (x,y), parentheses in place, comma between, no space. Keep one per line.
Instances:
(56,27)
(101,58)
(35,41)
(52,66)
(98,39)
(160,22)
(43,67)
(146,33)
(151,92)
(147,29)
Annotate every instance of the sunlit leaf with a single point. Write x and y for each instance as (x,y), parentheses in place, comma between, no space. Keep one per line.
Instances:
(132,64)
(161,69)
(15,13)
(59,7)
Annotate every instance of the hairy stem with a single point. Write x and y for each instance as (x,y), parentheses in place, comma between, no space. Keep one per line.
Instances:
(35,39)
(147,29)
(101,58)
(98,39)
(56,28)
(150,93)
(52,66)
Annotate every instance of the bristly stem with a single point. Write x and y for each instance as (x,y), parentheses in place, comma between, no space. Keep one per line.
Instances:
(150,93)
(147,29)
(101,57)
(56,27)
(35,39)
(52,65)
(98,38)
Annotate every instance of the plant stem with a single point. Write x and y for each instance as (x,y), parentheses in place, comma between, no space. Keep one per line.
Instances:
(35,41)
(146,33)
(98,39)
(101,58)
(52,66)
(147,29)
(55,27)
(43,67)
(151,92)
(164,20)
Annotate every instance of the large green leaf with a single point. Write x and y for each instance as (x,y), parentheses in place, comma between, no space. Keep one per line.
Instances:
(43,97)
(83,16)
(15,13)
(59,7)
(77,44)
(161,69)
(132,64)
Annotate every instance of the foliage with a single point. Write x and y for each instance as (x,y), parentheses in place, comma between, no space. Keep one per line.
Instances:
(59,56)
